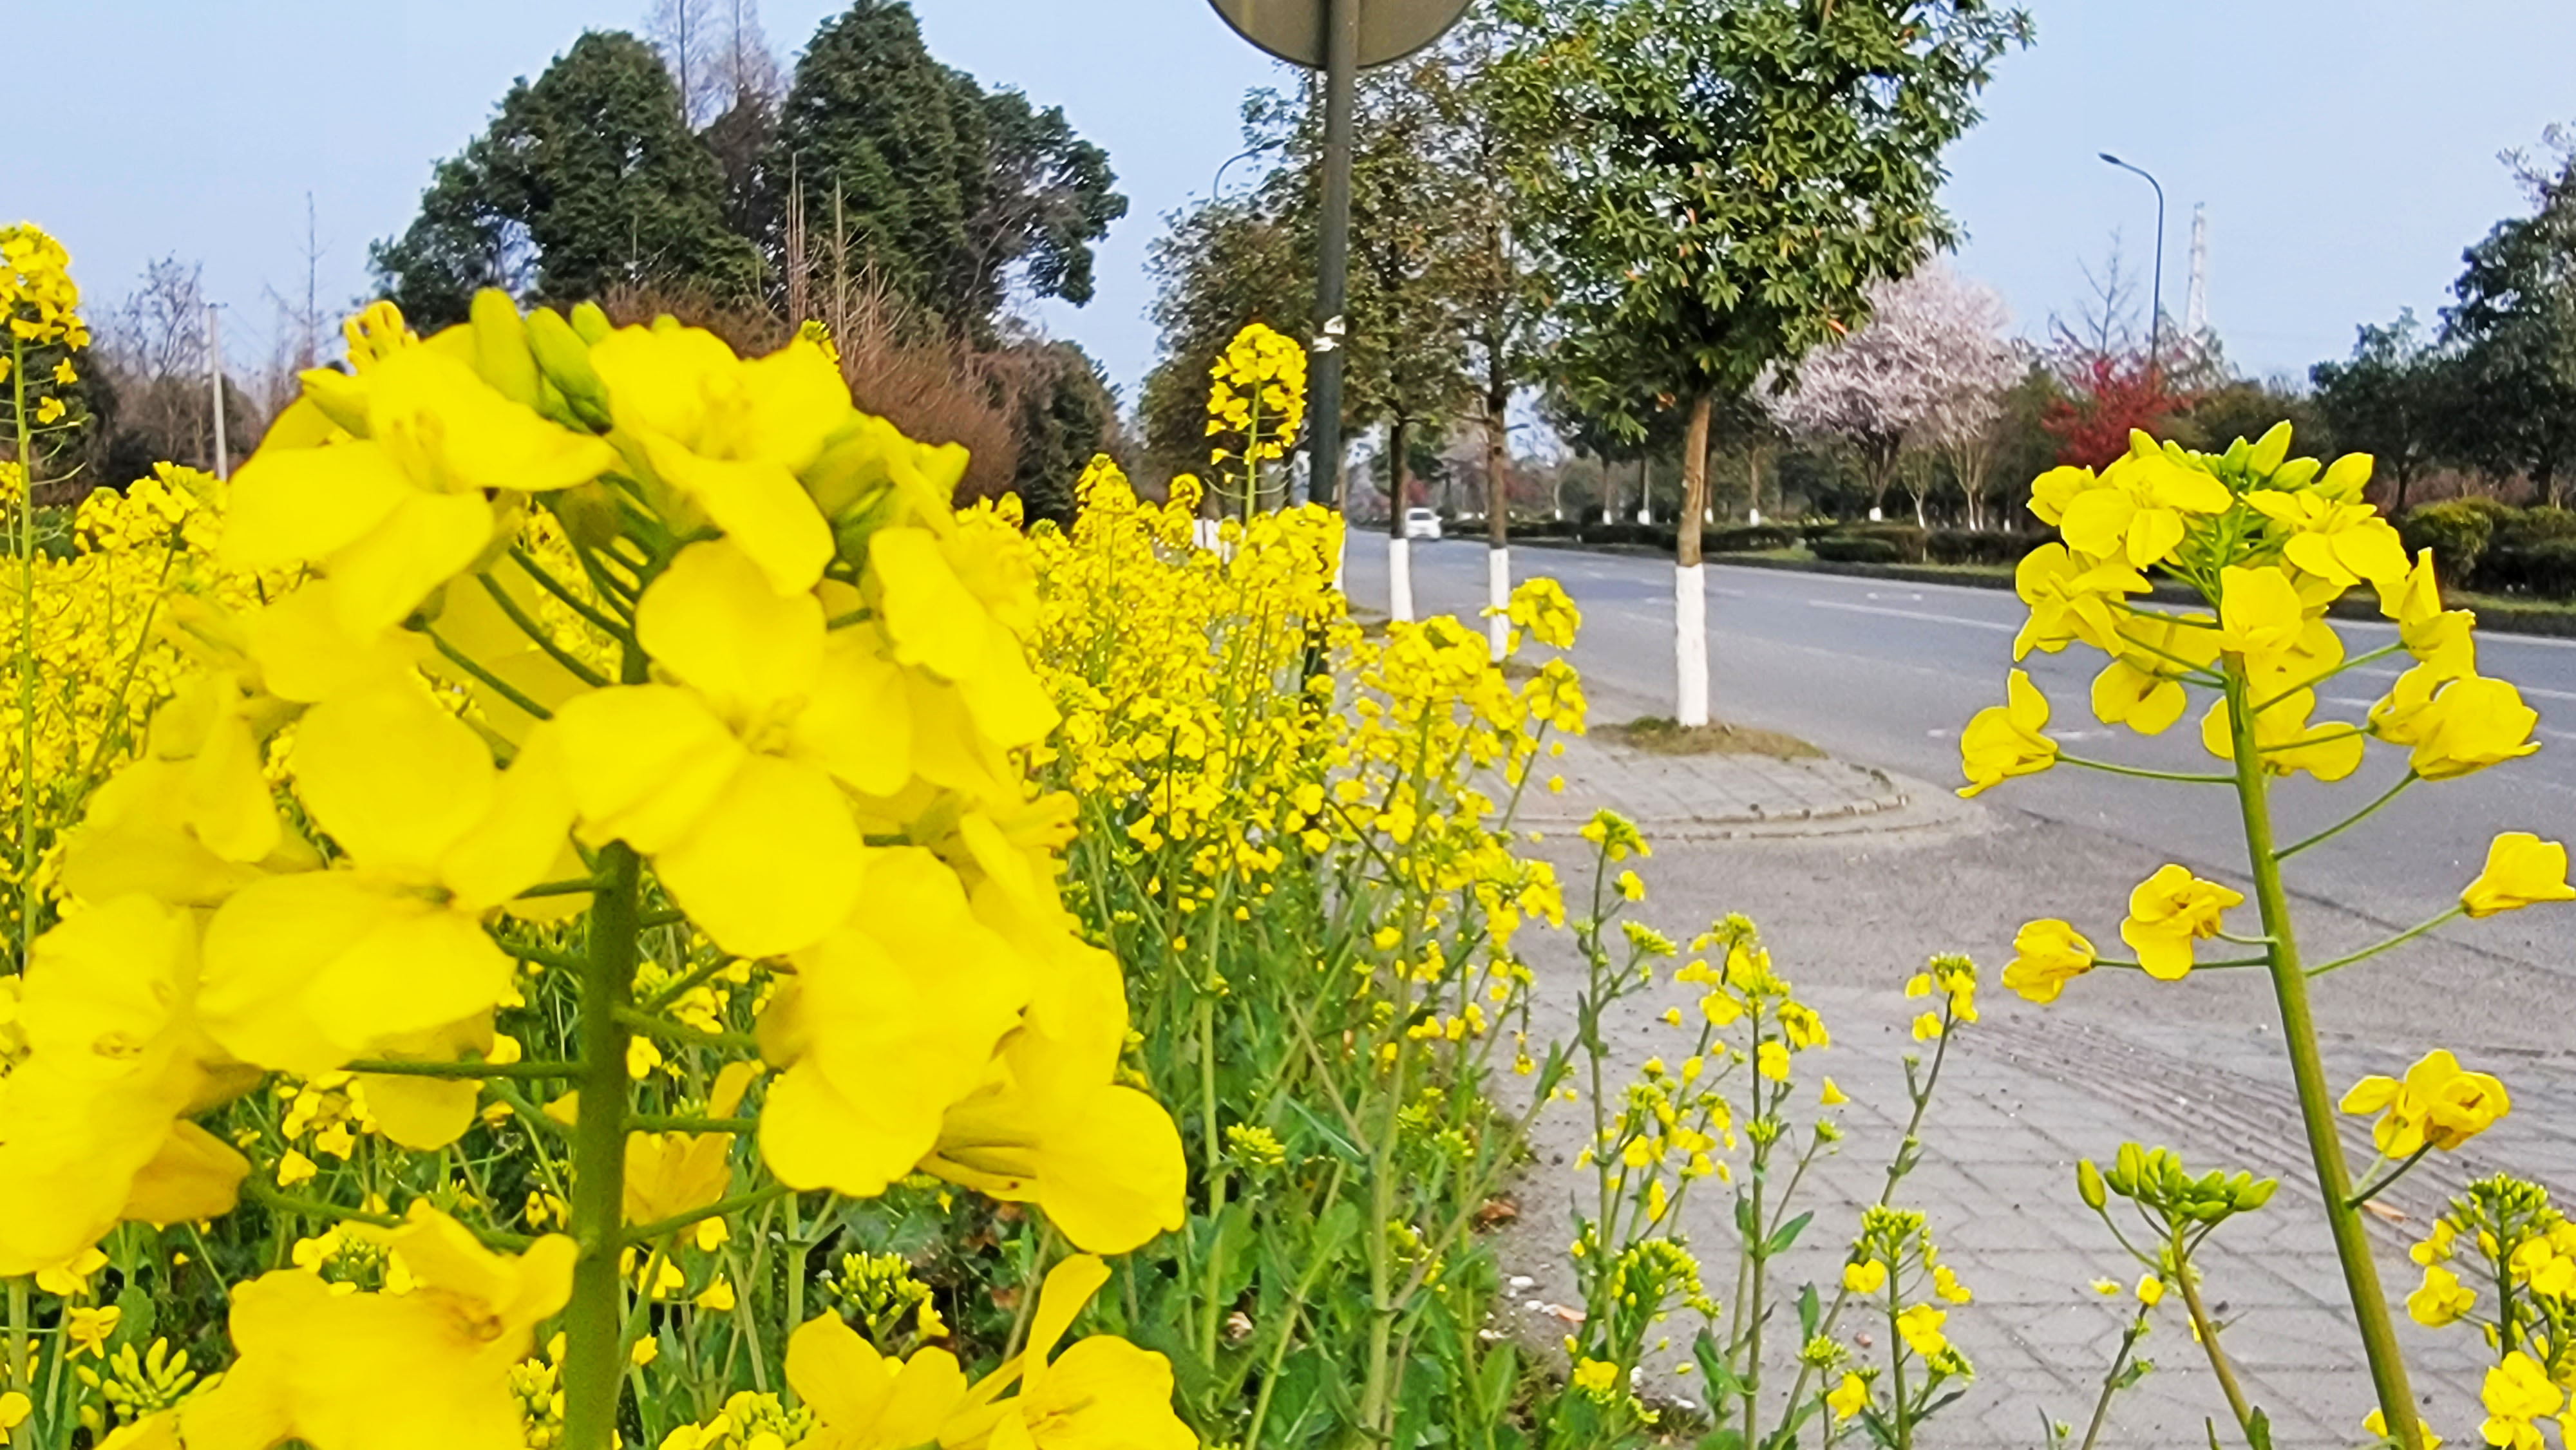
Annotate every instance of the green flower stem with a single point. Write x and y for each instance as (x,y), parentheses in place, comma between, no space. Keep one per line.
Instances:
(2381,653)
(669,1031)
(664,1123)
(486,678)
(1897,1168)
(2111,1382)
(468,1068)
(21,1366)
(2403,937)
(537,635)
(2379,1185)
(258,1191)
(26,655)
(1288,1326)
(645,1233)
(528,565)
(697,977)
(2348,822)
(2307,1067)
(2142,773)
(595,1359)
(2207,1332)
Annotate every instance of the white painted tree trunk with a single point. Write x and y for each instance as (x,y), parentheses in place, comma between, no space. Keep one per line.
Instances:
(1876,516)
(1498,595)
(1399,579)
(1690,645)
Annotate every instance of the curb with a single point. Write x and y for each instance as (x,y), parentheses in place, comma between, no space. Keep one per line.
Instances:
(2499,618)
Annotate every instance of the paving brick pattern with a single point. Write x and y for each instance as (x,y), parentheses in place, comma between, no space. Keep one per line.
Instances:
(2025,1093)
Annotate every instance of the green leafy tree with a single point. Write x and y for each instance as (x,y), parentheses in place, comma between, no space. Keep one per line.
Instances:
(1066,412)
(1728,178)
(2514,326)
(951,194)
(587,179)
(2395,398)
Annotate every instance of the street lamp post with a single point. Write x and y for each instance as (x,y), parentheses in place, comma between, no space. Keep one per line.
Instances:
(2156,301)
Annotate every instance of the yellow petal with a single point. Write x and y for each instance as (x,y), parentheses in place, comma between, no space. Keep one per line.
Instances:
(305,654)
(774,862)
(713,622)
(759,505)
(394,778)
(196,1175)
(929,615)
(645,762)
(522,835)
(305,504)
(858,722)
(381,578)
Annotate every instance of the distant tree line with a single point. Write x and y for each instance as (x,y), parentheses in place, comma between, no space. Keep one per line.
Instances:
(681,169)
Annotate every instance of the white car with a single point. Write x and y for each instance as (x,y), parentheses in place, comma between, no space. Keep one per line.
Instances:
(1421,524)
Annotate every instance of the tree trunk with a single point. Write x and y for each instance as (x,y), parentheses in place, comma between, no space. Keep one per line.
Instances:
(1498,505)
(1690,595)
(1399,552)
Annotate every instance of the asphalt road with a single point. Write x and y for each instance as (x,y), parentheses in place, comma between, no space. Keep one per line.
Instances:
(1885,673)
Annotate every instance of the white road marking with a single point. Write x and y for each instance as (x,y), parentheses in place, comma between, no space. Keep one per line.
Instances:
(1914,614)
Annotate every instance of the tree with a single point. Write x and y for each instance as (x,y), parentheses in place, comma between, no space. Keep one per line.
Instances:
(1066,413)
(952,195)
(588,179)
(2395,398)
(2514,327)
(1927,370)
(1499,297)
(718,56)
(1728,178)
(1973,365)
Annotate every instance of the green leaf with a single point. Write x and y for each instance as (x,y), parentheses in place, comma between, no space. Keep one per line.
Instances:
(2258,1431)
(1723,1382)
(1787,1234)
(1808,1313)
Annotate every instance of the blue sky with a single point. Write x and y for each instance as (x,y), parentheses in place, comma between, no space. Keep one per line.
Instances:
(2345,148)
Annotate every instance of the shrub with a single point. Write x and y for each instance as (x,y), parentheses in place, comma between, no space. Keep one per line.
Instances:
(2456,531)
(1751,539)
(2522,528)
(2545,569)
(1908,539)
(1977,546)
(1856,549)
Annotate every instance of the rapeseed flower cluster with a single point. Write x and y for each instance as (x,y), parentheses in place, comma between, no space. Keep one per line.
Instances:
(1256,402)
(2269,544)
(544,681)
(2502,1258)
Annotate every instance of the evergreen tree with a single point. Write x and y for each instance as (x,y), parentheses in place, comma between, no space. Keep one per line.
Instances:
(1065,414)
(943,189)
(588,178)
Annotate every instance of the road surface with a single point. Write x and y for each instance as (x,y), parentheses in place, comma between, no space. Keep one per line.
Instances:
(1885,673)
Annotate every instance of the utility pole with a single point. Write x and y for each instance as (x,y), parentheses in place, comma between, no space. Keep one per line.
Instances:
(1332,272)
(215,380)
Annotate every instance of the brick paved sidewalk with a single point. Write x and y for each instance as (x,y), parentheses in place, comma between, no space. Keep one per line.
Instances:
(1851,891)
(2023,1095)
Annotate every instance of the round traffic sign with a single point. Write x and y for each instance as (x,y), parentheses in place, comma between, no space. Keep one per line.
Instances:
(1293,30)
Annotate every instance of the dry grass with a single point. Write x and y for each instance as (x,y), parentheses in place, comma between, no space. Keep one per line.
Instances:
(1659,735)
